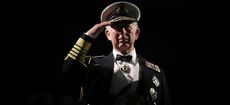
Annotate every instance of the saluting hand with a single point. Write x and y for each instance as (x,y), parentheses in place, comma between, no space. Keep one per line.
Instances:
(97,29)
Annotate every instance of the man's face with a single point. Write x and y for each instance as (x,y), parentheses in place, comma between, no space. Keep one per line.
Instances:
(122,35)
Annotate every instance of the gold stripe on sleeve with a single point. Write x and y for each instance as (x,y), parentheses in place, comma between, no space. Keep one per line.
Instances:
(73,53)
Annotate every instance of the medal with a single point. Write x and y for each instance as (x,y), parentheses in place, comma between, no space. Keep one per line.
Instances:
(153,94)
(155,81)
(125,68)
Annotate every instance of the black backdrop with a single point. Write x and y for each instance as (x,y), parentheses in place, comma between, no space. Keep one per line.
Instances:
(186,38)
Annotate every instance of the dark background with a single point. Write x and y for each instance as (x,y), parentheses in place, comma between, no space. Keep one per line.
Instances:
(186,38)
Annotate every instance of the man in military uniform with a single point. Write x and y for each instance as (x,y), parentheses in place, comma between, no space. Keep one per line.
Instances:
(122,77)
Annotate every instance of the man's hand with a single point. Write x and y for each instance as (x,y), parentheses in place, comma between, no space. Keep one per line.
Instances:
(97,29)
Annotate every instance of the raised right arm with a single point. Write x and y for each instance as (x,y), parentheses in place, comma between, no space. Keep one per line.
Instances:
(77,55)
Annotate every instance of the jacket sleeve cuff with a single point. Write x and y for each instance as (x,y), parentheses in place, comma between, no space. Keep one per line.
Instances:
(87,38)
(80,48)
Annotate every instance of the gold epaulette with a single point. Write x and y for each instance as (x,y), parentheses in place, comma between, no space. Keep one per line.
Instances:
(152,66)
(79,50)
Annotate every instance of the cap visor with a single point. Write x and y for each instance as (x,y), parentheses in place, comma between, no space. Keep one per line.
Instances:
(122,18)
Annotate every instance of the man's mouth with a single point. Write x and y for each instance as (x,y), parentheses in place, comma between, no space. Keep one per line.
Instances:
(123,41)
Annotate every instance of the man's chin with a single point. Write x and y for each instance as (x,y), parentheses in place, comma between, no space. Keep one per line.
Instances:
(124,48)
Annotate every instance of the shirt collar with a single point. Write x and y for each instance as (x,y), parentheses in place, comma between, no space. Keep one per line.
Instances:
(132,53)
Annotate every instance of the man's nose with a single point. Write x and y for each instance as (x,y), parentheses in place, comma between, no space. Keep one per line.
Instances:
(123,30)
(123,33)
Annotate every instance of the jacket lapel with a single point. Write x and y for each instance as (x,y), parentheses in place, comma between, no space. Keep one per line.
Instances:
(106,67)
(145,74)
(117,81)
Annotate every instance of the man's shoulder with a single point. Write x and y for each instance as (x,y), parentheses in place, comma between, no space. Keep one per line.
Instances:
(90,59)
(151,65)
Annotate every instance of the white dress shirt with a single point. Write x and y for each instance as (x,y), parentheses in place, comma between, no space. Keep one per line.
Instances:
(133,75)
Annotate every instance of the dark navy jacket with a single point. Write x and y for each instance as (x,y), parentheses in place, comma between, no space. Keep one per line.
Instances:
(100,86)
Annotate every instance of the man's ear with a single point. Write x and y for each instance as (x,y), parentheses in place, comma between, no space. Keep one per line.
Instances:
(107,34)
(137,33)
